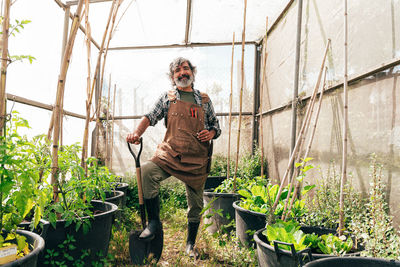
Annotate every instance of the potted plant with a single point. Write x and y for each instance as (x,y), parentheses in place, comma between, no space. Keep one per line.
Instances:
(218,172)
(19,196)
(289,244)
(80,226)
(219,211)
(252,210)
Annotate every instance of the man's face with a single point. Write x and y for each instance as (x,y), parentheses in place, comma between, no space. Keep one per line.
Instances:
(183,76)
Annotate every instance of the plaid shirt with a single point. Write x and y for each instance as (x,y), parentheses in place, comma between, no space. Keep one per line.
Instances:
(161,107)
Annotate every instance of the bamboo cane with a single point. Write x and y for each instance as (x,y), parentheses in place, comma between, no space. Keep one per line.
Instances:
(261,98)
(64,43)
(112,16)
(345,124)
(88,80)
(230,110)
(309,142)
(60,93)
(107,119)
(241,94)
(297,143)
(307,122)
(90,96)
(112,127)
(4,65)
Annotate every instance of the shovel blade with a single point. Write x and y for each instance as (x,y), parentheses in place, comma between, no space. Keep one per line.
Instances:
(144,252)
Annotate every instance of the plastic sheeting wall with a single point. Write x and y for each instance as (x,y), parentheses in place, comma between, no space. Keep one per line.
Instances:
(374,115)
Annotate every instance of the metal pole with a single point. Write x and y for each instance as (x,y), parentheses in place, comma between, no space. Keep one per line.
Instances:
(296,80)
(256,104)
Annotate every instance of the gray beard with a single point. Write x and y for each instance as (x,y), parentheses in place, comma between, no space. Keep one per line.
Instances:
(184,83)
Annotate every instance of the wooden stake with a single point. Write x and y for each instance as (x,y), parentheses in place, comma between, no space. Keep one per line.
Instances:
(296,183)
(112,127)
(307,121)
(4,65)
(297,143)
(60,93)
(241,94)
(261,98)
(107,119)
(345,125)
(88,82)
(91,92)
(230,110)
(112,15)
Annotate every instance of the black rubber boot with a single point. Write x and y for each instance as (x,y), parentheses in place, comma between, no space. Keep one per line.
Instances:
(153,214)
(193,227)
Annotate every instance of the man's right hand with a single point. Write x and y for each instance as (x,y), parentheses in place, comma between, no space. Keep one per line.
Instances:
(133,138)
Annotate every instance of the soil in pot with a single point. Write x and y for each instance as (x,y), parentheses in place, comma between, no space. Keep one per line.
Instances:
(87,248)
(216,204)
(37,243)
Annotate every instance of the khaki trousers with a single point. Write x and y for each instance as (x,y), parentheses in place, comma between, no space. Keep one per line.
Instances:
(152,176)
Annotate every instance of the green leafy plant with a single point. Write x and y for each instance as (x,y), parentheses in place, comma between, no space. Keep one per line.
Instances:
(323,205)
(290,232)
(20,193)
(373,226)
(16,27)
(334,245)
(227,185)
(76,188)
(259,198)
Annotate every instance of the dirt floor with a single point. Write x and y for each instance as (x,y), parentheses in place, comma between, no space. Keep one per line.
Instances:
(217,250)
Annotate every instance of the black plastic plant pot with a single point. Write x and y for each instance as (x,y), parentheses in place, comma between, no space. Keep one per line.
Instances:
(213,182)
(272,256)
(95,241)
(30,260)
(115,197)
(223,202)
(247,222)
(124,188)
(41,228)
(353,262)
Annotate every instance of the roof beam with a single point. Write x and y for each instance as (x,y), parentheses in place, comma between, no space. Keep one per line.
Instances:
(74,3)
(37,104)
(188,20)
(178,45)
(63,6)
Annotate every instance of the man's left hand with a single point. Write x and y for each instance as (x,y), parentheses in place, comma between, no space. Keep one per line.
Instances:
(206,135)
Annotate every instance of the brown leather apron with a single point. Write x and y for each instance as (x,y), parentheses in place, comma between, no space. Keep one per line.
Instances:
(181,154)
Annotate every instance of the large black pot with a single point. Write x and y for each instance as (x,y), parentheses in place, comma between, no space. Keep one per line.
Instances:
(96,240)
(41,228)
(273,256)
(116,197)
(353,262)
(219,201)
(213,182)
(247,222)
(31,259)
(124,188)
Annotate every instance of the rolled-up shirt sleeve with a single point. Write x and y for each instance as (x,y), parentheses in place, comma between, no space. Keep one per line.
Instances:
(158,111)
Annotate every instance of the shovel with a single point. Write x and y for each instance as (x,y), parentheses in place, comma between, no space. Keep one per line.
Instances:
(143,252)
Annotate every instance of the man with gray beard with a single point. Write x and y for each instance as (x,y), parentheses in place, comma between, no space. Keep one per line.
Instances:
(185,151)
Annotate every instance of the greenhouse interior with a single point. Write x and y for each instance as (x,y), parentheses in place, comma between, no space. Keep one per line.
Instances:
(200,133)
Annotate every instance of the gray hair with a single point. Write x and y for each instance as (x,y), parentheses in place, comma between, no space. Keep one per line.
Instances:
(176,63)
